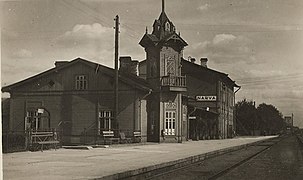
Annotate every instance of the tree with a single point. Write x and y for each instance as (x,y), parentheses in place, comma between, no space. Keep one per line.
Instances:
(271,119)
(266,119)
(246,120)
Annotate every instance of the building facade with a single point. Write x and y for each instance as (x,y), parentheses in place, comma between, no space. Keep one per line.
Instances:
(76,98)
(202,99)
(164,50)
(171,100)
(211,101)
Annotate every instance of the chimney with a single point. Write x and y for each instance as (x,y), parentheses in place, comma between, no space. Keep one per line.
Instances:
(192,60)
(204,62)
(134,67)
(128,65)
(60,63)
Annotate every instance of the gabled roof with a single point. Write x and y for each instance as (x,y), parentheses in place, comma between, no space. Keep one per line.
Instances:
(174,36)
(130,79)
(151,39)
(197,70)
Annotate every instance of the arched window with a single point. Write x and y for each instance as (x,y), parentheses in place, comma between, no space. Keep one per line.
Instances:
(167,26)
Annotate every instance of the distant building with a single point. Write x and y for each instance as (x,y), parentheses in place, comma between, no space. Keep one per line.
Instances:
(288,120)
(289,123)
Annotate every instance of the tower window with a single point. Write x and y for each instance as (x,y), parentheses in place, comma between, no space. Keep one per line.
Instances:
(167,26)
(81,82)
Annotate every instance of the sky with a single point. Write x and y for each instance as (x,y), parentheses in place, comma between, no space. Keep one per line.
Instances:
(259,43)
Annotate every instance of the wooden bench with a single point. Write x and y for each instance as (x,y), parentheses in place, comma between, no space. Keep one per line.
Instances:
(109,136)
(43,138)
(137,136)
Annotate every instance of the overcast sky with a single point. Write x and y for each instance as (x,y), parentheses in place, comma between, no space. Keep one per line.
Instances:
(259,43)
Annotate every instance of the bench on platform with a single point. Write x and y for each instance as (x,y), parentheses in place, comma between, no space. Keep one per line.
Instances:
(137,136)
(39,139)
(109,137)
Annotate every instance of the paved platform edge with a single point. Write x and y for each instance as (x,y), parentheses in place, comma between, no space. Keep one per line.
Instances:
(168,166)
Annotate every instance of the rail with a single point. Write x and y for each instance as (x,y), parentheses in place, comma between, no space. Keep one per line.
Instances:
(171,169)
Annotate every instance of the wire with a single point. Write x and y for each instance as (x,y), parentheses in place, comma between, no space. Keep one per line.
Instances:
(105,20)
(279,79)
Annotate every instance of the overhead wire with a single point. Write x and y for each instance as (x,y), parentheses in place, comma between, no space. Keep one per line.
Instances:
(265,79)
(130,31)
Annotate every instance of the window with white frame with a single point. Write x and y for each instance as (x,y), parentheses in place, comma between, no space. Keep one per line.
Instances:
(105,120)
(81,82)
(170,122)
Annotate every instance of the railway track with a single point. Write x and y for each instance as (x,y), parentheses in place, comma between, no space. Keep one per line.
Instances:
(221,173)
(211,168)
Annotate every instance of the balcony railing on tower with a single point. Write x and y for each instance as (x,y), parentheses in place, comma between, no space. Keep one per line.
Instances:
(173,83)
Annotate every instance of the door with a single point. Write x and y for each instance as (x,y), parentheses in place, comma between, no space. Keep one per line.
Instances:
(170,122)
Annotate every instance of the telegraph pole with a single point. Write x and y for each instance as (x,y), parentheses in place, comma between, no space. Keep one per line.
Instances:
(292,119)
(116,70)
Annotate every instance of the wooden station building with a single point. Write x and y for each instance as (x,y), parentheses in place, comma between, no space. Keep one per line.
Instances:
(165,97)
(76,98)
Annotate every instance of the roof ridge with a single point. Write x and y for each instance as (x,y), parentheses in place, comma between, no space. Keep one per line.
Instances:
(197,65)
(45,73)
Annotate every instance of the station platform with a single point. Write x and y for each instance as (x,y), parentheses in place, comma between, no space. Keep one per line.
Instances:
(114,161)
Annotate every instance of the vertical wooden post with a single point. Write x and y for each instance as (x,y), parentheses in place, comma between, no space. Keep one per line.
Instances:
(116,70)
(292,119)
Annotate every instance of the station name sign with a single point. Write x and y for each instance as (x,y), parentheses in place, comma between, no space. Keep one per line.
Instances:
(206,98)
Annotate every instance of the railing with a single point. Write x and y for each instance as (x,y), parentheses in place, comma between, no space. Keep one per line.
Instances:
(174,81)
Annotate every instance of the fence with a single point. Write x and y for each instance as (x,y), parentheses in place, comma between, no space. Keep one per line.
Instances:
(13,141)
(16,141)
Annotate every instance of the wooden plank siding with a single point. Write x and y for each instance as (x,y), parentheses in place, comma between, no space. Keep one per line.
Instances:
(74,109)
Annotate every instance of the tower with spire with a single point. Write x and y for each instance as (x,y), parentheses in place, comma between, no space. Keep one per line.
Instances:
(164,50)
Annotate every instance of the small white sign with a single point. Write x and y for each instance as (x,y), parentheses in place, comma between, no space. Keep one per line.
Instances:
(206,98)
(41,111)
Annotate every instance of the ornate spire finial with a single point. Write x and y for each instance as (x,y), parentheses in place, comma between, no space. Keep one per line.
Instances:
(163,6)
(146,30)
